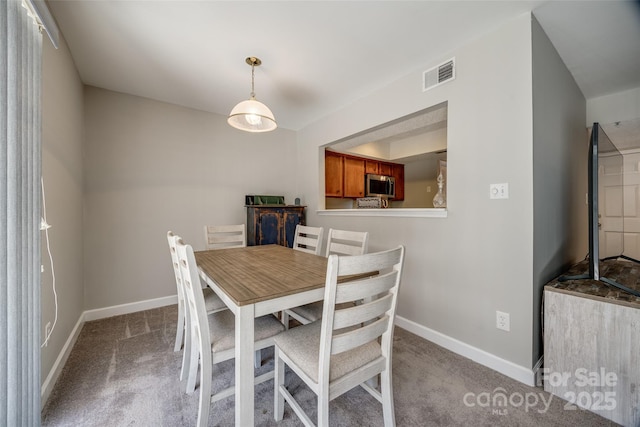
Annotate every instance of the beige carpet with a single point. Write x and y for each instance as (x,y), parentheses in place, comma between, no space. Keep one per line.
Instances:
(123,372)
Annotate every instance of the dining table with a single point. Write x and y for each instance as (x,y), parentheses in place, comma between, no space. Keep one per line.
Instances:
(254,281)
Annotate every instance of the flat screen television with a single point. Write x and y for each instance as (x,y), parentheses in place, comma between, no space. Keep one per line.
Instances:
(602,150)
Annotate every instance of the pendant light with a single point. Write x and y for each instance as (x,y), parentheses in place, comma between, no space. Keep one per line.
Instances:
(252,115)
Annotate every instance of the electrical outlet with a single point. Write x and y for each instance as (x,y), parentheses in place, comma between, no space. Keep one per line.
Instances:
(47,331)
(502,321)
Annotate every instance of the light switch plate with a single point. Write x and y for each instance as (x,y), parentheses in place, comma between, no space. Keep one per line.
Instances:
(499,191)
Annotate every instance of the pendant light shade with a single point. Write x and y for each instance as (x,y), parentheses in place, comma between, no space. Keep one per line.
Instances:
(252,115)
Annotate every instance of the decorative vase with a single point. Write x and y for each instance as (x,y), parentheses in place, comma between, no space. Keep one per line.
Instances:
(439,200)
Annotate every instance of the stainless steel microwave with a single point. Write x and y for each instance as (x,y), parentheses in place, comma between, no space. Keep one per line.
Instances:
(379,186)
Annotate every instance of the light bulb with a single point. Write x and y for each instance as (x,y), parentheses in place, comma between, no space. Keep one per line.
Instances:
(253,119)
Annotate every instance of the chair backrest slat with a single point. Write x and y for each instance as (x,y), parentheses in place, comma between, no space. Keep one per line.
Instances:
(344,242)
(343,249)
(171,238)
(362,312)
(357,337)
(353,291)
(225,236)
(350,265)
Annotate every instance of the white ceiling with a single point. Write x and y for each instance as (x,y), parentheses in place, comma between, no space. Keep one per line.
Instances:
(319,56)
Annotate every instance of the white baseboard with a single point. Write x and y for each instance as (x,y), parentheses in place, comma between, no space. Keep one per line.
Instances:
(117,310)
(510,369)
(56,369)
(87,316)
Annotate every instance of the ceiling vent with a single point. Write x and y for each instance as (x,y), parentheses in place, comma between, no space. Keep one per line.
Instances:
(439,74)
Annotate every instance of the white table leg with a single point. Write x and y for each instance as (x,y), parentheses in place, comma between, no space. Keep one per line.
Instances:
(244,365)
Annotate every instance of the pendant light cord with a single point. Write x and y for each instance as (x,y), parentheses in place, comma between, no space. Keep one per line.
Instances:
(253,75)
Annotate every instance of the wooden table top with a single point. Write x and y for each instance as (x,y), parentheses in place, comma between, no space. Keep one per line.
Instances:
(258,273)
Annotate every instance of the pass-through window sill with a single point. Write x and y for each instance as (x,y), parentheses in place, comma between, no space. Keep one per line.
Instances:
(390,212)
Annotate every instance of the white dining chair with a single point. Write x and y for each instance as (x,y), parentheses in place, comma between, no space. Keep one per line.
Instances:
(339,242)
(213,303)
(214,335)
(349,346)
(308,239)
(225,236)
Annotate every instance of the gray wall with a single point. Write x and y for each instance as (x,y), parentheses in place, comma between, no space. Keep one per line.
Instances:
(461,269)
(62,170)
(151,167)
(560,229)
(137,159)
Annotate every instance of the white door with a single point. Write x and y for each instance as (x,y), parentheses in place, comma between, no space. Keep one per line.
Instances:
(632,205)
(619,206)
(610,206)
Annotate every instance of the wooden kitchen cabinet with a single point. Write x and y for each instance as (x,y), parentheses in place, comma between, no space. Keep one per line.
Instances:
(385,169)
(397,171)
(273,224)
(333,174)
(371,166)
(377,167)
(344,174)
(354,168)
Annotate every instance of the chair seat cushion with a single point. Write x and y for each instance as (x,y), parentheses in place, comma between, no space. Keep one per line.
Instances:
(313,311)
(222,329)
(302,345)
(212,301)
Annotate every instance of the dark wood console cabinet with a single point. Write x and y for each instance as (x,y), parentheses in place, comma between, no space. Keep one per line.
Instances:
(273,224)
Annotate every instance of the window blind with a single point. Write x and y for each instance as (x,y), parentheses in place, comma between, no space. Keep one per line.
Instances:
(20,169)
